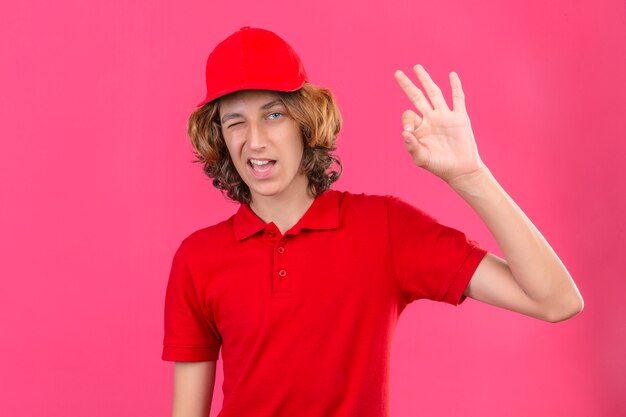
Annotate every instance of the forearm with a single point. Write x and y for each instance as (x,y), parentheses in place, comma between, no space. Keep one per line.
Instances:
(533,263)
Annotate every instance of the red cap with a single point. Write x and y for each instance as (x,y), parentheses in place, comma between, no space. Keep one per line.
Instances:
(252,58)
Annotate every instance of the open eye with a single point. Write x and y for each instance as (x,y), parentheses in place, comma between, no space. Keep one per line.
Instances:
(278,113)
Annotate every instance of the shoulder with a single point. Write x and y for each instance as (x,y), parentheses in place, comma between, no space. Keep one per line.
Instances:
(393,208)
(363,207)
(363,200)
(208,238)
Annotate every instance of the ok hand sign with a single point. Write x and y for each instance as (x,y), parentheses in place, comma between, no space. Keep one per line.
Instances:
(438,139)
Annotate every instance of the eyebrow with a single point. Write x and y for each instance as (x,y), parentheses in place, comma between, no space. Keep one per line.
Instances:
(263,107)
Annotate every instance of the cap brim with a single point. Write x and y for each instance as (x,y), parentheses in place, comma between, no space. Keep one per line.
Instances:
(285,86)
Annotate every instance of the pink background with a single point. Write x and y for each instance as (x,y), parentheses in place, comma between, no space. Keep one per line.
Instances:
(98,189)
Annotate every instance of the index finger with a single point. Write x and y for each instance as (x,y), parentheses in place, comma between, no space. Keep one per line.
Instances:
(412,92)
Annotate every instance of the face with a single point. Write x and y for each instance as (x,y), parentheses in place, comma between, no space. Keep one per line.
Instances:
(264,143)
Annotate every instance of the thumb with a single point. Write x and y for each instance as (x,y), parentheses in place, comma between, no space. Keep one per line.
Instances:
(419,153)
(410,120)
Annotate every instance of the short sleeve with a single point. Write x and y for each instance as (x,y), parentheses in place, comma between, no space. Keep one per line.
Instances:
(190,332)
(431,260)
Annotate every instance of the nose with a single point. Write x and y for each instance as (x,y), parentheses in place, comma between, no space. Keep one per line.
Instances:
(257,136)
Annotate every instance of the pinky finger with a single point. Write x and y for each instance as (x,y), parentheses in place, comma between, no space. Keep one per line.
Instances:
(458,96)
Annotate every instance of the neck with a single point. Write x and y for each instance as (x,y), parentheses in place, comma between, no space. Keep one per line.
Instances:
(284,210)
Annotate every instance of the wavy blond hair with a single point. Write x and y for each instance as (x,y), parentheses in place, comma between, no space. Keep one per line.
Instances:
(316,112)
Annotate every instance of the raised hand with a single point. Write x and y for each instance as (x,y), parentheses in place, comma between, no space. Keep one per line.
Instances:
(438,139)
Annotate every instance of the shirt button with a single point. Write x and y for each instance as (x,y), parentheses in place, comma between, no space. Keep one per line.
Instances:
(271,234)
(282,273)
(281,249)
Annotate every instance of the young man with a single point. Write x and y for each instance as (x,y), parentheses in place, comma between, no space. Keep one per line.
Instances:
(302,287)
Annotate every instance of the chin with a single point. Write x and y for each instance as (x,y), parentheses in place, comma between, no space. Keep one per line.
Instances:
(265,191)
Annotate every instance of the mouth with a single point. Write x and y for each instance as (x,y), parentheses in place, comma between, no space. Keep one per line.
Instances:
(261,167)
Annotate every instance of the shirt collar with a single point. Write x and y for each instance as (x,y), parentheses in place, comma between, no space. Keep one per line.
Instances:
(322,214)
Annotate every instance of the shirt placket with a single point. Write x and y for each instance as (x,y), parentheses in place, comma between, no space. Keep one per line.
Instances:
(282,282)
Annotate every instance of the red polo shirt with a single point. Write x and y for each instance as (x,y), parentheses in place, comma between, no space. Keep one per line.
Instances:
(305,320)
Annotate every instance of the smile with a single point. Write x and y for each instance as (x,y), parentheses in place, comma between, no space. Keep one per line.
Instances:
(261,167)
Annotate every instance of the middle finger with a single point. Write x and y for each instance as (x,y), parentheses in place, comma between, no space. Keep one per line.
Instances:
(413,93)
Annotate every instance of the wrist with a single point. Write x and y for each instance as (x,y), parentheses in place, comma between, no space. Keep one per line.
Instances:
(471,181)
(478,187)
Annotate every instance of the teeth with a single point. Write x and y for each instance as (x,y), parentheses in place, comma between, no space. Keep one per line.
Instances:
(257,162)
